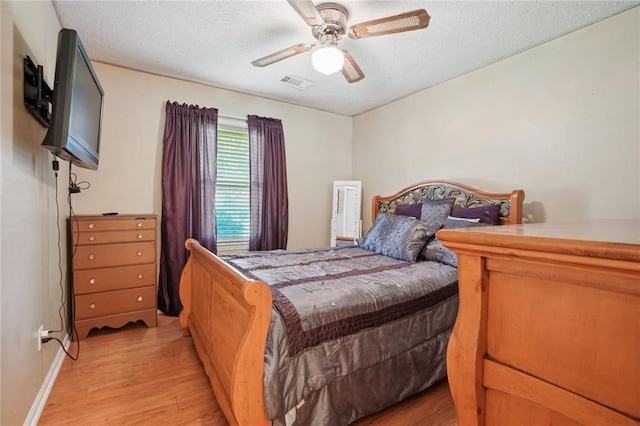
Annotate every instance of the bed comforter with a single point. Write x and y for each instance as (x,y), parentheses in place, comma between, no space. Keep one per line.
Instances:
(352,332)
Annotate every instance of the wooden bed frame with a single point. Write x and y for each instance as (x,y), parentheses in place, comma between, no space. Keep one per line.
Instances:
(228,314)
(548,330)
(466,196)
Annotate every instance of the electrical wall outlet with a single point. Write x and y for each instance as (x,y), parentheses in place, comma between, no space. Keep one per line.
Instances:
(40,331)
(42,334)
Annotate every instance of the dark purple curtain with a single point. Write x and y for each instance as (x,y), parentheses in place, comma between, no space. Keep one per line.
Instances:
(188,193)
(269,198)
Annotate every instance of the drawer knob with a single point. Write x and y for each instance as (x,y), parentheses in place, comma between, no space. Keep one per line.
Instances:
(139,298)
(91,226)
(92,306)
(92,256)
(139,276)
(139,236)
(139,224)
(139,253)
(92,281)
(92,238)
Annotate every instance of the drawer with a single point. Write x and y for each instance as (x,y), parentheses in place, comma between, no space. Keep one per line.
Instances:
(107,237)
(112,224)
(107,279)
(106,255)
(114,302)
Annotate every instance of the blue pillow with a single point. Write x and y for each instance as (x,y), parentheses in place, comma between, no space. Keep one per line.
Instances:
(397,236)
(436,211)
(436,251)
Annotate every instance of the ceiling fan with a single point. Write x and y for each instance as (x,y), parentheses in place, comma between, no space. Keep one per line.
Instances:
(328,22)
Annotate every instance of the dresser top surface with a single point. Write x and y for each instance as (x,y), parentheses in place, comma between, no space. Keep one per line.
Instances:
(598,236)
(114,217)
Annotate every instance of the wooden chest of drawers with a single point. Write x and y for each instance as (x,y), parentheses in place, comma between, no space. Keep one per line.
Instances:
(114,268)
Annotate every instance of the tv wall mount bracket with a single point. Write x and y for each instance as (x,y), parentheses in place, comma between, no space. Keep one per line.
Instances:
(37,93)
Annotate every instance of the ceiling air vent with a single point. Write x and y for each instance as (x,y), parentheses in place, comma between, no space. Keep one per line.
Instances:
(296,82)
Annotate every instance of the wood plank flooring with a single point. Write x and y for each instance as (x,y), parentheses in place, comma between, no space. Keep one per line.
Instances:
(152,376)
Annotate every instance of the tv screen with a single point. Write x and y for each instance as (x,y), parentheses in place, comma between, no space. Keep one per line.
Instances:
(76,116)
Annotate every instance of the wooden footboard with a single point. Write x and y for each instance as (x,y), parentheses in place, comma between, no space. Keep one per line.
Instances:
(228,317)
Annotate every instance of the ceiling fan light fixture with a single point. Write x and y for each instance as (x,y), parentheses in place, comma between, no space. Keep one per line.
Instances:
(327,60)
(328,22)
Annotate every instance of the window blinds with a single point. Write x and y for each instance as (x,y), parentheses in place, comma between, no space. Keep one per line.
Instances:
(232,191)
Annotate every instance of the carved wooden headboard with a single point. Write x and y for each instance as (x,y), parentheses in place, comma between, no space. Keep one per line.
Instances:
(466,196)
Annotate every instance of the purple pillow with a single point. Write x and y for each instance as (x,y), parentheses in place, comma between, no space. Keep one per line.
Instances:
(487,214)
(412,210)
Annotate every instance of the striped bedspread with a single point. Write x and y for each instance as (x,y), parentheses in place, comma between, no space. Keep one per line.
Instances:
(342,311)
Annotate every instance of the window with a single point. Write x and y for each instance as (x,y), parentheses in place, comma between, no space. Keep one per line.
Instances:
(232,188)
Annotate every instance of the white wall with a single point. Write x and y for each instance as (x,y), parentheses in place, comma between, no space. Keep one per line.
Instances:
(128,179)
(559,121)
(30,280)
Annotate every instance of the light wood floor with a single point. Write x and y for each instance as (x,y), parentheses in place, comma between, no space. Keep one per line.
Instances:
(152,376)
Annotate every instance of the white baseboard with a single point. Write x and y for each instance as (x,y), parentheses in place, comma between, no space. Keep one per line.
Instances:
(41,399)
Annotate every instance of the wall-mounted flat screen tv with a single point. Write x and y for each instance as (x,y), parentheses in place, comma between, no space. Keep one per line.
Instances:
(76,116)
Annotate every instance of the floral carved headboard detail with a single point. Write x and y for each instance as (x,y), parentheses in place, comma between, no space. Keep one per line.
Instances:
(465,196)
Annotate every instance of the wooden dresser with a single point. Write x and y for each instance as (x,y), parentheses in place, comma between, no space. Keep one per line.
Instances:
(548,330)
(114,270)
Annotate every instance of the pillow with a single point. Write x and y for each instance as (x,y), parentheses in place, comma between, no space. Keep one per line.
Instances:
(371,239)
(455,223)
(397,236)
(436,211)
(463,219)
(412,210)
(437,252)
(486,214)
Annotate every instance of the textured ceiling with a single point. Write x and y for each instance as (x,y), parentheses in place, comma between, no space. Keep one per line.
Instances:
(214,42)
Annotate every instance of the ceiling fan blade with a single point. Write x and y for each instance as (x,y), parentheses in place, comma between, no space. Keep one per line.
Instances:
(307,10)
(350,69)
(282,54)
(408,21)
